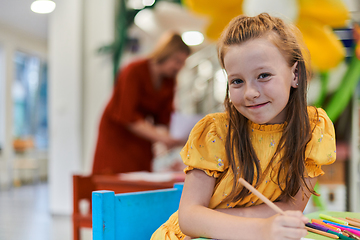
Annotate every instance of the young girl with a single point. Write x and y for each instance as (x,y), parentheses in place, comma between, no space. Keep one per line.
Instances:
(268,136)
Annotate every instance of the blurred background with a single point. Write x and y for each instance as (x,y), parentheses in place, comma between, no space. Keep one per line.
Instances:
(57,74)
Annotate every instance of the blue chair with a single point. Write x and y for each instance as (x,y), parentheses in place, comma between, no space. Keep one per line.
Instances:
(133,215)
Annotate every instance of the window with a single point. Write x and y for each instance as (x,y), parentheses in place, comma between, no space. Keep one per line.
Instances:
(30,100)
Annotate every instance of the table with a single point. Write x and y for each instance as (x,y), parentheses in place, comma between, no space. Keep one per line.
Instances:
(137,181)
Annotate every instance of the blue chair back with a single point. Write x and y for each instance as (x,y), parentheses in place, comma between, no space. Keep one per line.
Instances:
(133,215)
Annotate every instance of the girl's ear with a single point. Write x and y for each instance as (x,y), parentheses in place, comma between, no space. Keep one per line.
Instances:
(295,75)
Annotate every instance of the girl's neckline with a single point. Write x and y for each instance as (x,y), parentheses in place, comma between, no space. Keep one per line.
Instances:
(267,127)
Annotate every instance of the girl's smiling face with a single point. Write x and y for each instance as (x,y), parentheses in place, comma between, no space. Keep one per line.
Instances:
(259,80)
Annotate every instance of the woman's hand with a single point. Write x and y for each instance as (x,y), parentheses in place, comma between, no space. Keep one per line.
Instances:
(147,130)
(288,226)
(170,142)
(165,138)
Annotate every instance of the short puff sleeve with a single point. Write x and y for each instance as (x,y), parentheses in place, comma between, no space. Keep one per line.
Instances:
(205,148)
(321,150)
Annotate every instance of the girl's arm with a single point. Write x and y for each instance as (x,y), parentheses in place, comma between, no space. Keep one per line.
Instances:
(263,211)
(197,220)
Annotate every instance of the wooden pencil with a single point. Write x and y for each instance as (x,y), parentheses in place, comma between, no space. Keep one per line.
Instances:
(322,233)
(353,219)
(262,197)
(351,222)
(352,235)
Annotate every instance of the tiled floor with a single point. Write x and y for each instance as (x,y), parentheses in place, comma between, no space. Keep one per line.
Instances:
(24,215)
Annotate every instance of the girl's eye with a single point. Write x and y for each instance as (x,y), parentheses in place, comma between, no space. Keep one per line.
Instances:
(264,75)
(236,81)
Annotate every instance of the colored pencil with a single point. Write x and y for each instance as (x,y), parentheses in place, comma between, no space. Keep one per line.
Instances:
(351,222)
(325,229)
(326,225)
(316,226)
(353,219)
(340,225)
(341,236)
(332,219)
(262,197)
(349,229)
(330,235)
(354,236)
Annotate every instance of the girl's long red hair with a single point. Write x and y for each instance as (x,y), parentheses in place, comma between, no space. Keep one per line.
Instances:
(297,129)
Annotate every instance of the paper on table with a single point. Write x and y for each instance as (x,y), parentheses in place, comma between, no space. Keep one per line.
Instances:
(152,176)
(181,124)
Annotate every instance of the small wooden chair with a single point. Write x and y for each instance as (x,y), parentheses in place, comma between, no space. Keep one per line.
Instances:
(132,215)
(82,189)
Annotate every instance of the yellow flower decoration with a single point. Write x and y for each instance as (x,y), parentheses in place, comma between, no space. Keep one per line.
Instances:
(219,12)
(315,19)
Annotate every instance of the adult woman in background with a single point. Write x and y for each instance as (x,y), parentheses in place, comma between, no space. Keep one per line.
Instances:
(141,103)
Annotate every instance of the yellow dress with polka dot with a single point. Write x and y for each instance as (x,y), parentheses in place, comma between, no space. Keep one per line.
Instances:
(205,150)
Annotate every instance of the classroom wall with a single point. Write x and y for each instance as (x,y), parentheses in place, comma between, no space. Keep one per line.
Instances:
(65,74)
(2,96)
(3,175)
(79,87)
(98,75)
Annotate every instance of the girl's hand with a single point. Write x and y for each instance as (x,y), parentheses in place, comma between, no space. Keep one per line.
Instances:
(288,226)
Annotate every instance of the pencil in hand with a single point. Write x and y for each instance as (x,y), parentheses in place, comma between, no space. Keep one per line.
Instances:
(274,207)
(262,197)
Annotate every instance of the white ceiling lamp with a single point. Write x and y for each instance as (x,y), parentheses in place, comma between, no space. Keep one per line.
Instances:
(146,20)
(148,3)
(139,4)
(135,4)
(192,38)
(43,6)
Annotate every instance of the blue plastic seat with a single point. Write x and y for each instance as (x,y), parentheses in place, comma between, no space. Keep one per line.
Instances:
(133,215)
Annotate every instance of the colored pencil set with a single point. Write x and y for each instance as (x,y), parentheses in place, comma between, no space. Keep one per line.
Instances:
(336,228)
(333,227)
